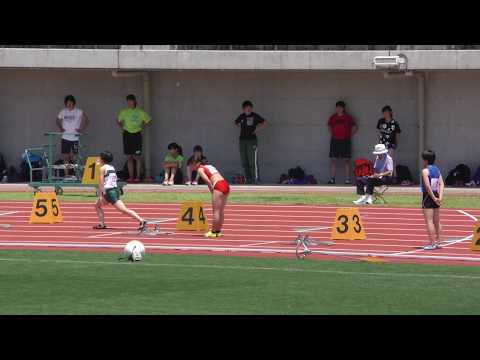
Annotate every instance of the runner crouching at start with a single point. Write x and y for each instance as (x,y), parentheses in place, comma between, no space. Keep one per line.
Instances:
(220,190)
(109,193)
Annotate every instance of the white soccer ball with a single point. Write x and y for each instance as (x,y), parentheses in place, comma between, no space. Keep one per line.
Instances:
(134,251)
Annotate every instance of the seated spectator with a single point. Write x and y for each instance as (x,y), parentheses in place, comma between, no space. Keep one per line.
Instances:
(173,163)
(382,173)
(197,155)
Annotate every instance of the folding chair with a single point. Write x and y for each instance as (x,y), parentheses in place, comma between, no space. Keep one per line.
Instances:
(379,193)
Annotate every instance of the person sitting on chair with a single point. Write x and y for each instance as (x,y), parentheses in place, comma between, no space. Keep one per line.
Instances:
(382,173)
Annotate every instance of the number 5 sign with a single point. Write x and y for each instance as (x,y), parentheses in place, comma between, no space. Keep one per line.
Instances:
(348,225)
(46,209)
(91,172)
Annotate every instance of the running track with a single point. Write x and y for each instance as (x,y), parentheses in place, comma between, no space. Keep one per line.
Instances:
(394,234)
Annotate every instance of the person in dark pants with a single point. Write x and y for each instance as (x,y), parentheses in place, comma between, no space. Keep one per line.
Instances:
(72,122)
(342,127)
(250,123)
(132,120)
(383,170)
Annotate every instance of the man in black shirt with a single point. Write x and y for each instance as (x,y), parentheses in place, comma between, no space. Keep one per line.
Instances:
(248,123)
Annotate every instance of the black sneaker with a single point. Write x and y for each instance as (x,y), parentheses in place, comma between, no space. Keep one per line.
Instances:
(331,181)
(143,225)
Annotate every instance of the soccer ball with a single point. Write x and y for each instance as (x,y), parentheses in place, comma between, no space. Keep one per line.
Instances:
(134,251)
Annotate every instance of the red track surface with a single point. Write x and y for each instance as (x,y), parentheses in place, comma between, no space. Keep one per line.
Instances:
(394,234)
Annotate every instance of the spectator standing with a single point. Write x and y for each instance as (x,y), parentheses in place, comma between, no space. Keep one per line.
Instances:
(342,127)
(389,131)
(132,121)
(250,124)
(71,122)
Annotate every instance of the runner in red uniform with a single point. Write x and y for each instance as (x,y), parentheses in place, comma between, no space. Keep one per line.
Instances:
(220,190)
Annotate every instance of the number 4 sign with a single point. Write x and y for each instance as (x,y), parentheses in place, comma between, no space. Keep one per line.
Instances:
(348,225)
(46,209)
(91,172)
(192,217)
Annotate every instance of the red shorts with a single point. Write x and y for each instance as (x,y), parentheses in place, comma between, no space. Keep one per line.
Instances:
(223,186)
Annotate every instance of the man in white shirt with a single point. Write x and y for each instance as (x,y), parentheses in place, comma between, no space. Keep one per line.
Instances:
(71,121)
(382,174)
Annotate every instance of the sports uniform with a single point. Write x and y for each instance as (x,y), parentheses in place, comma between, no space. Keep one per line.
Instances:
(112,194)
(434,179)
(222,185)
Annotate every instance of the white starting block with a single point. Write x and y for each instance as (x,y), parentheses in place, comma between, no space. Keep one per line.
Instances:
(155,229)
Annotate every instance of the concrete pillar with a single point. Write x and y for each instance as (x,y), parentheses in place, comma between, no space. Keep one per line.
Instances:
(421,119)
(146,133)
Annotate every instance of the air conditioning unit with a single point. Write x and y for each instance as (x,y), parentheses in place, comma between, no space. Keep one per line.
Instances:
(398,62)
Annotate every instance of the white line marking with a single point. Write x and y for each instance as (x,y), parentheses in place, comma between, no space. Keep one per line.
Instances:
(257,244)
(9,213)
(249,268)
(467,214)
(449,243)
(106,234)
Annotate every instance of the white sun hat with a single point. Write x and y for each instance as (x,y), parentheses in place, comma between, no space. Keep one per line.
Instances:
(380,149)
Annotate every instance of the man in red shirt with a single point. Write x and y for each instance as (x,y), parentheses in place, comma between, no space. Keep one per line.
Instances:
(342,127)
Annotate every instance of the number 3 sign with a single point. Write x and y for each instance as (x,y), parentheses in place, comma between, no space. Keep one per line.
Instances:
(46,209)
(348,225)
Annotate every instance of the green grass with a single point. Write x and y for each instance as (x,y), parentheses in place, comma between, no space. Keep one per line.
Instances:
(42,282)
(457,202)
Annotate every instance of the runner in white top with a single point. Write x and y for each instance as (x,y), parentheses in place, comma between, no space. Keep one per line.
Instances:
(109,193)
(72,122)
(109,176)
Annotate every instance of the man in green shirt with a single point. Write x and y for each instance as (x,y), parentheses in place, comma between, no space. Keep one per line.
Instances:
(132,121)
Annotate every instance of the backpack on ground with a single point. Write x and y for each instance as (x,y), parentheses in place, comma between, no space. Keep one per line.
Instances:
(458,176)
(363,167)
(403,174)
(296,173)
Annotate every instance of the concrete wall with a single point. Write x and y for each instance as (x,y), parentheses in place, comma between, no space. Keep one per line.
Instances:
(193,107)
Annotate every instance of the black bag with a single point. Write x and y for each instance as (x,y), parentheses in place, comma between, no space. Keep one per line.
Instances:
(296,173)
(3,166)
(13,175)
(403,173)
(459,176)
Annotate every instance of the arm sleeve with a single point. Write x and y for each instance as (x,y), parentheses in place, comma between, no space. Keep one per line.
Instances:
(352,122)
(389,164)
(60,115)
(260,120)
(397,129)
(238,120)
(146,118)
(378,124)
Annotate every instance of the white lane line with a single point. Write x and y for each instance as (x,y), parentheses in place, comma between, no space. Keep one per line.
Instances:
(467,214)
(247,268)
(9,213)
(467,238)
(258,244)
(106,234)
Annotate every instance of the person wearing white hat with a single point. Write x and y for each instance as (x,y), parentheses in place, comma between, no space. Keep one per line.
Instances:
(382,173)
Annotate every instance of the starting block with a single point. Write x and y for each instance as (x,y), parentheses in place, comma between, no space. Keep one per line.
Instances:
(475,246)
(348,225)
(155,231)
